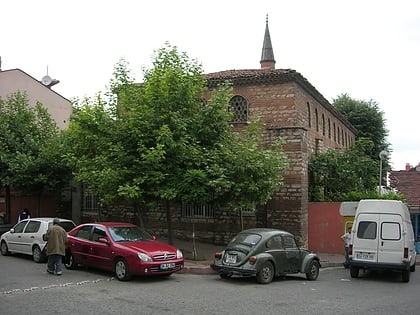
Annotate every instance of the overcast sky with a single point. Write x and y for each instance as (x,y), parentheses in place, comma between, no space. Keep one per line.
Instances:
(369,49)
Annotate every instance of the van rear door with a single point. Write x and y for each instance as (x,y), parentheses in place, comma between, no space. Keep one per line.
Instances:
(378,238)
(391,239)
(365,240)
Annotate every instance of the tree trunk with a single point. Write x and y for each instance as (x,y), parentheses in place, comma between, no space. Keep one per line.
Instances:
(169,222)
(8,207)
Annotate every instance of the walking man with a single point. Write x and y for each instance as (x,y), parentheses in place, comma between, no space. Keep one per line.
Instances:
(56,238)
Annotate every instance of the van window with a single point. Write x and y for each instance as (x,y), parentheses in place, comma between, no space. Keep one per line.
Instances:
(391,231)
(367,230)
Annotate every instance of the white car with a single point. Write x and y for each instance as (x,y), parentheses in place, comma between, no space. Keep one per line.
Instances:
(26,237)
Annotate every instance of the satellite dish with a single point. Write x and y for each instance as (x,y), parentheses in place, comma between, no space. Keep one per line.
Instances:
(46,80)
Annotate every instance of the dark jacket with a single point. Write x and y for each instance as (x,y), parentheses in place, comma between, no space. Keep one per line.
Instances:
(56,238)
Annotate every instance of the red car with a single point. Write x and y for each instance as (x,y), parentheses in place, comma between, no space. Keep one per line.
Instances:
(123,248)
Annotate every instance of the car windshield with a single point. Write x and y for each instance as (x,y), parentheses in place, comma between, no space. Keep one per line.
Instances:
(128,234)
(246,239)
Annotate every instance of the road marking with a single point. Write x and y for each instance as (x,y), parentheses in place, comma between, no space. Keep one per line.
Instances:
(55,286)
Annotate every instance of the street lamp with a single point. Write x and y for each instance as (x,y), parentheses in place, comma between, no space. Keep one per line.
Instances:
(382,156)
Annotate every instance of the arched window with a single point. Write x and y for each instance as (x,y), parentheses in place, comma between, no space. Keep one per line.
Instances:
(323,125)
(309,115)
(239,106)
(335,134)
(316,120)
(329,128)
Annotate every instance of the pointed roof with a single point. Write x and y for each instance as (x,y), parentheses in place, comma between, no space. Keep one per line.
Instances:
(267,55)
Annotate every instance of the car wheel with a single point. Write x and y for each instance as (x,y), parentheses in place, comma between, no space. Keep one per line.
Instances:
(4,249)
(406,275)
(69,261)
(37,254)
(225,275)
(121,270)
(354,272)
(313,272)
(266,274)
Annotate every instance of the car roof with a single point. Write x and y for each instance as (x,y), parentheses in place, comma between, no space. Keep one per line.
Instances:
(47,219)
(266,231)
(110,224)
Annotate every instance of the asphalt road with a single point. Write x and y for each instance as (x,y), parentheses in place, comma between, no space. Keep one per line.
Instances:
(26,288)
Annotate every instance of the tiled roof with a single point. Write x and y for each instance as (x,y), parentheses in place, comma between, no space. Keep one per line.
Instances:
(272,76)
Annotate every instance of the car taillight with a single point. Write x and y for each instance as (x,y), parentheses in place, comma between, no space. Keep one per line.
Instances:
(405,252)
(252,260)
(351,250)
(218,255)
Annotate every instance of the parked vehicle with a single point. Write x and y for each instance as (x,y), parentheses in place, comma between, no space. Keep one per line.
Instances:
(265,253)
(123,248)
(382,238)
(4,227)
(26,237)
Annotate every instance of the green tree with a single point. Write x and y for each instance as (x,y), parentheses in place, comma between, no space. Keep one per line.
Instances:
(29,148)
(368,120)
(161,143)
(336,176)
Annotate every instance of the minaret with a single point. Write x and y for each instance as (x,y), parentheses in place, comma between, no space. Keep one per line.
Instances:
(267,55)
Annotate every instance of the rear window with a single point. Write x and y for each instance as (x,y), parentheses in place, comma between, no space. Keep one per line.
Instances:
(67,225)
(366,230)
(246,239)
(391,231)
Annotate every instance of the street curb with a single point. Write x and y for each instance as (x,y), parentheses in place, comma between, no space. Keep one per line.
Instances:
(207,270)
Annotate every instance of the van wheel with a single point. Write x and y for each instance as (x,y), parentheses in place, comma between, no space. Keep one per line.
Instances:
(406,275)
(413,267)
(354,272)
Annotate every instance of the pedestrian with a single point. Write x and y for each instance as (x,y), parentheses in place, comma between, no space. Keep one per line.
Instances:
(56,238)
(346,239)
(25,214)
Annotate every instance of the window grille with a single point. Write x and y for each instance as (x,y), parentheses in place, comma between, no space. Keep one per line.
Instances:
(239,106)
(189,210)
(90,200)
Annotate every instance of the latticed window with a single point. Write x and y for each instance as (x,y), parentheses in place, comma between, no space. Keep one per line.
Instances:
(239,106)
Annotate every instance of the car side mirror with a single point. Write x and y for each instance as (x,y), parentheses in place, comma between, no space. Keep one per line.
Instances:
(103,240)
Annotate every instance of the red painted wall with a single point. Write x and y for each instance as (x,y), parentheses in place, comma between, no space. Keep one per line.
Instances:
(325,227)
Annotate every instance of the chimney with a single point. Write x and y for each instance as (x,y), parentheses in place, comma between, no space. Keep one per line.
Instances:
(407,166)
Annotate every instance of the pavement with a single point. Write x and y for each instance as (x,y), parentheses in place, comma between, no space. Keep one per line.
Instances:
(198,257)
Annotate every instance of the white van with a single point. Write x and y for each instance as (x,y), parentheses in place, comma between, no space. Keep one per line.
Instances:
(382,238)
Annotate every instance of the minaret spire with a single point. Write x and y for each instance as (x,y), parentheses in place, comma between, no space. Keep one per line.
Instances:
(267,55)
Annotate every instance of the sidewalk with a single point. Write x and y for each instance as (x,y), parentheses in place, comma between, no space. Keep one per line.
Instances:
(200,263)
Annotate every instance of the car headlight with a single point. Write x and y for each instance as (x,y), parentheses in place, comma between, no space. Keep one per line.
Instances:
(144,256)
(179,254)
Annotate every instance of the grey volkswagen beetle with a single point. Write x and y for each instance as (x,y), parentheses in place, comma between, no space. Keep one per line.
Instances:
(265,253)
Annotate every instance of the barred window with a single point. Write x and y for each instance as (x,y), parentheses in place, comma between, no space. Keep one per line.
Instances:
(190,210)
(239,106)
(90,200)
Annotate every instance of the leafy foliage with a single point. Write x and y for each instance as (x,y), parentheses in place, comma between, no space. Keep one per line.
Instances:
(368,120)
(345,176)
(160,141)
(29,146)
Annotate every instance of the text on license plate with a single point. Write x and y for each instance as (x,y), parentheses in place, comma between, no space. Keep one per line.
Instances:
(167,266)
(364,256)
(230,259)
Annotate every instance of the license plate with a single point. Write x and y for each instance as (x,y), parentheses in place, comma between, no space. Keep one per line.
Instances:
(167,266)
(364,256)
(230,259)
